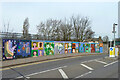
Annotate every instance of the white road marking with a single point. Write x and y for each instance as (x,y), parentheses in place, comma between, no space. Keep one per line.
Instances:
(106,57)
(63,74)
(101,62)
(110,63)
(87,61)
(84,61)
(91,60)
(41,72)
(83,75)
(87,67)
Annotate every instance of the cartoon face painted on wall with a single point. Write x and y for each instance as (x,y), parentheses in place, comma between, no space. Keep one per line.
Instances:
(34,45)
(37,45)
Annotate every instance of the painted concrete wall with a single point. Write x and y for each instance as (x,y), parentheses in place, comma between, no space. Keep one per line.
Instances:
(12,48)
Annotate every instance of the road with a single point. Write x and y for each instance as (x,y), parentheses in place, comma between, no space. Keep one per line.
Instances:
(91,66)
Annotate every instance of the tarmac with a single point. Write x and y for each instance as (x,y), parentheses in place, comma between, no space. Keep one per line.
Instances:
(8,63)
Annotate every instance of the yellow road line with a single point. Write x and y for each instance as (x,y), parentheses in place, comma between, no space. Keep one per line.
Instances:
(37,63)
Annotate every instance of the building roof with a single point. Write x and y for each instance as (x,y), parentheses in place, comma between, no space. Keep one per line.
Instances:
(95,39)
(117,39)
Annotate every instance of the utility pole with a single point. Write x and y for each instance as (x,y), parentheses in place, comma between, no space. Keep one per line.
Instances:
(114,32)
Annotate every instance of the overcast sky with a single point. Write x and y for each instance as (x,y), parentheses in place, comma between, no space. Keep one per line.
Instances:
(101,14)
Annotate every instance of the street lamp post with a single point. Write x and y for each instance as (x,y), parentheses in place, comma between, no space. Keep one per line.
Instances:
(114,32)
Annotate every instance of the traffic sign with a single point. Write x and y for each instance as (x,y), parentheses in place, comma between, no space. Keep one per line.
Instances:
(112,52)
(111,49)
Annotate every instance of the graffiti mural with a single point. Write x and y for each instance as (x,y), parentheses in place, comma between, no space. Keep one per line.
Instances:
(49,48)
(66,48)
(101,47)
(23,48)
(87,48)
(37,48)
(92,47)
(77,47)
(9,48)
(73,47)
(81,48)
(59,48)
(97,47)
(32,48)
(70,47)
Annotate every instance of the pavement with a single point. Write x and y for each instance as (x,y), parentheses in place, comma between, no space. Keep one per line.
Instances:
(78,67)
(8,63)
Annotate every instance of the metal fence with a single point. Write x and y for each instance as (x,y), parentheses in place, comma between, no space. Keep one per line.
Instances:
(9,35)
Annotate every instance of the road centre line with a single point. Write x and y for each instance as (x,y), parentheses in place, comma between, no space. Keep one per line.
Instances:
(101,62)
(63,74)
(82,75)
(110,63)
(87,67)
(42,72)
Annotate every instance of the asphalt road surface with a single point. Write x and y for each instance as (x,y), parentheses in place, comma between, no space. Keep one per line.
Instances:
(90,66)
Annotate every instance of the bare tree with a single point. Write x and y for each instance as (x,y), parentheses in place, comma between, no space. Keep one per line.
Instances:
(66,29)
(75,27)
(82,29)
(49,29)
(56,32)
(26,28)
(41,34)
(7,32)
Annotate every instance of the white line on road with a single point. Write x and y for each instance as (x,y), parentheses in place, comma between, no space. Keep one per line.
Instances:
(84,61)
(41,72)
(110,63)
(87,67)
(87,61)
(63,74)
(101,62)
(91,60)
(83,75)
(106,57)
